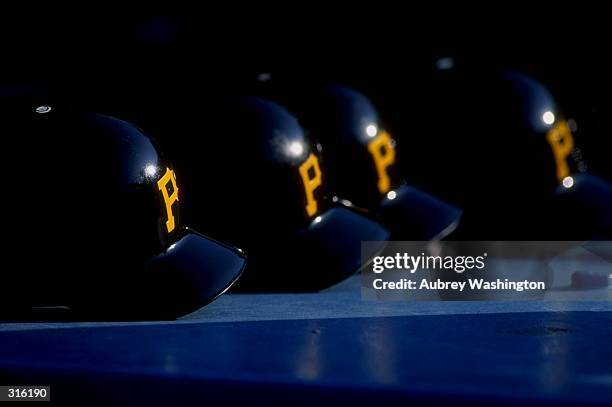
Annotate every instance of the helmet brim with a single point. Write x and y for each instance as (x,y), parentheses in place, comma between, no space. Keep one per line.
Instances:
(192,272)
(323,253)
(412,214)
(335,238)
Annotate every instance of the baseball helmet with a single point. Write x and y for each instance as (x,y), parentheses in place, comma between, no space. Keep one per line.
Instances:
(499,146)
(256,180)
(93,211)
(363,159)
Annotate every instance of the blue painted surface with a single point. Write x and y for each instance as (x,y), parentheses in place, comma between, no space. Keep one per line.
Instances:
(327,347)
(528,356)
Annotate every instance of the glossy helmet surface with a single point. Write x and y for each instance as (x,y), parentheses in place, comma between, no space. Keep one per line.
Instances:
(95,222)
(364,160)
(500,147)
(256,180)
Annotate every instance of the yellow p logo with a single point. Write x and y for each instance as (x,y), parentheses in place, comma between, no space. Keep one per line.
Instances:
(311,182)
(562,143)
(383,153)
(162,184)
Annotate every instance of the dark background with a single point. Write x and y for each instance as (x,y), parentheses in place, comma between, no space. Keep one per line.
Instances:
(130,64)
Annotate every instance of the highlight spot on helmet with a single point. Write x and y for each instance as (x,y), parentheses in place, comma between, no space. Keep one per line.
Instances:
(295,148)
(43,109)
(548,117)
(150,171)
(371,130)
